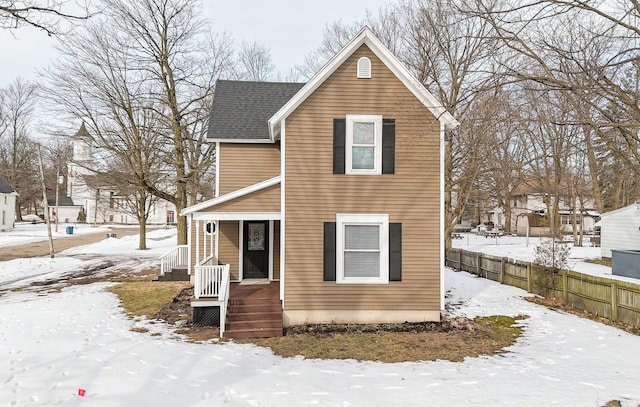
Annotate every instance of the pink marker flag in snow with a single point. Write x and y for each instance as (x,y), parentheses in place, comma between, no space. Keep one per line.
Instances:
(81,392)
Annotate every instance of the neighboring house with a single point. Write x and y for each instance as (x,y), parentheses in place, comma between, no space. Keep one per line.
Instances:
(67,211)
(331,189)
(101,203)
(620,230)
(531,198)
(8,196)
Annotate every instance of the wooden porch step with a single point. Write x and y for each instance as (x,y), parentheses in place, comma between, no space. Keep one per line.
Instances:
(254,324)
(253,318)
(249,308)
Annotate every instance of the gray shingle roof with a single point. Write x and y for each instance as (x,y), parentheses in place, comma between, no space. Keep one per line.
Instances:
(62,201)
(241,110)
(5,188)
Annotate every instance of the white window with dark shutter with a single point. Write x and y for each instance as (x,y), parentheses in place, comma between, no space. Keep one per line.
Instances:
(363,153)
(364,145)
(362,248)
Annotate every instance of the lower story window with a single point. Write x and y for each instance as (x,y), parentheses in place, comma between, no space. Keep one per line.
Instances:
(362,248)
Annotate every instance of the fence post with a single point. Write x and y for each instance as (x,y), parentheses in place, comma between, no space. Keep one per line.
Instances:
(614,301)
(529,277)
(502,270)
(459,259)
(565,283)
(479,265)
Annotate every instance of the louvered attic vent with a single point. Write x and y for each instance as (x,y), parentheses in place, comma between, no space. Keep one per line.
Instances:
(364,68)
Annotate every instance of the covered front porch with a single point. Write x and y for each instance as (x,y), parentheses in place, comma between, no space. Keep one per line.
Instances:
(235,271)
(234,241)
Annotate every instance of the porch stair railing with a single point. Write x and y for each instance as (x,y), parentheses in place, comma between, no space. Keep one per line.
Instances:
(179,256)
(213,281)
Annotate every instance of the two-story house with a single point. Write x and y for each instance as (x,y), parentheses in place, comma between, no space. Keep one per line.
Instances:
(329,197)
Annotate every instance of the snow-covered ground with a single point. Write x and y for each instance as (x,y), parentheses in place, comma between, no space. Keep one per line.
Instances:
(521,248)
(21,271)
(53,344)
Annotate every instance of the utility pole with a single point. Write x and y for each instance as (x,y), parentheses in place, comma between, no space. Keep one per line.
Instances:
(57,214)
(46,204)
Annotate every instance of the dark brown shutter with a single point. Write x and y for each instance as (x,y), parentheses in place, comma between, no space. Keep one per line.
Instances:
(395,251)
(388,146)
(329,251)
(339,137)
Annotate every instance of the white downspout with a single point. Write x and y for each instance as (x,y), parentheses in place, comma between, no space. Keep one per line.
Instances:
(283,179)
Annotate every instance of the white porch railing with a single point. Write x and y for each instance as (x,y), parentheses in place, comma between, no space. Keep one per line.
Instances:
(212,280)
(179,256)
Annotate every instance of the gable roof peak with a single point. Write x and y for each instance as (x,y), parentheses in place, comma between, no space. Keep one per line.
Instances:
(367,37)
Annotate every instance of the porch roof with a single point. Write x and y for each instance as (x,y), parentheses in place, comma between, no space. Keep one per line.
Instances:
(197,208)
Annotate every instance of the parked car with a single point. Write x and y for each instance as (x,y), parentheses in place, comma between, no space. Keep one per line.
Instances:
(33,218)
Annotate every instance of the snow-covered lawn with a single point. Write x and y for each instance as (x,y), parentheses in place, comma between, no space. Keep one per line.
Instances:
(521,248)
(53,344)
(21,271)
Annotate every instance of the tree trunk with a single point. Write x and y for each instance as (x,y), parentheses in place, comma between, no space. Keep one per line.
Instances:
(593,170)
(507,216)
(143,233)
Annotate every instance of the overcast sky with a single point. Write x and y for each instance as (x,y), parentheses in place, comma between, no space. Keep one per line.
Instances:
(289,28)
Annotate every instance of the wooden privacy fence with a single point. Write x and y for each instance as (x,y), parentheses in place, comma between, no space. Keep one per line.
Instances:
(612,299)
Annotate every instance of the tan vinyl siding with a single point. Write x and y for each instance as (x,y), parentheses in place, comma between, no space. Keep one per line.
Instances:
(229,247)
(242,165)
(265,200)
(314,194)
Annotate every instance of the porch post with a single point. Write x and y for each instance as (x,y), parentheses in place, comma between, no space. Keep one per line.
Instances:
(198,241)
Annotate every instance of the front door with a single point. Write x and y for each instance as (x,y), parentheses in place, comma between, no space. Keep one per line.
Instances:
(255,247)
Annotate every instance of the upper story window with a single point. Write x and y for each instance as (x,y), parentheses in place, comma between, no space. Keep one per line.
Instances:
(363,153)
(364,144)
(364,68)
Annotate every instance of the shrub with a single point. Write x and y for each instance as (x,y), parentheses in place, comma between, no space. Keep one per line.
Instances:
(552,255)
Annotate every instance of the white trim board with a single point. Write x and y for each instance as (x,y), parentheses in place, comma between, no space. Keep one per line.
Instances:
(236,216)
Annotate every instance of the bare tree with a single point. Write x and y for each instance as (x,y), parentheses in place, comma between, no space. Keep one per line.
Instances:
(586,51)
(17,157)
(505,162)
(183,69)
(43,15)
(94,84)
(254,62)
(145,71)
